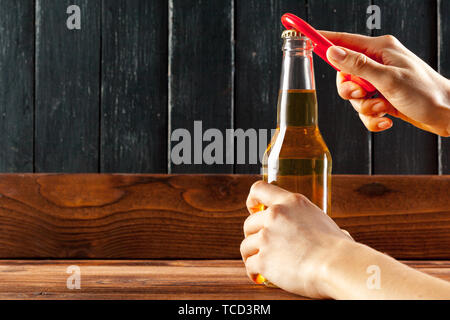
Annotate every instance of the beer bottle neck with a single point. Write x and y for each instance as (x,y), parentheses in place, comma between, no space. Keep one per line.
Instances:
(297,102)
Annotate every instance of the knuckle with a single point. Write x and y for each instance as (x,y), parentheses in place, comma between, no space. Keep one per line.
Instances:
(242,247)
(299,199)
(390,41)
(275,211)
(256,185)
(343,91)
(392,78)
(292,197)
(356,105)
(370,127)
(248,202)
(263,236)
(403,75)
(246,222)
(360,61)
(366,106)
(367,123)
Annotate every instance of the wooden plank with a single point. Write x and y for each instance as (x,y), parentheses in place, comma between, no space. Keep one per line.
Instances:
(444,69)
(201,216)
(345,135)
(16,85)
(147,279)
(67,87)
(258,65)
(223,280)
(200,73)
(134,86)
(405,149)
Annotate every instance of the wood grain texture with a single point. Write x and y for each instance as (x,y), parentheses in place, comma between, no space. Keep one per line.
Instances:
(258,65)
(146,279)
(200,72)
(444,69)
(16,85)
(201,216)
(134,86)
(67,87)
(345,135)
(404,149)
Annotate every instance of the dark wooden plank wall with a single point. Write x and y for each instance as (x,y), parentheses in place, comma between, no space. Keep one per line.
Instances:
(67,88)
(16,85)
(134,86)
(108,96)
(405,149)
(201,71)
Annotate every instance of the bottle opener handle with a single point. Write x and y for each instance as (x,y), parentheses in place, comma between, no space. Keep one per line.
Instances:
(322,44)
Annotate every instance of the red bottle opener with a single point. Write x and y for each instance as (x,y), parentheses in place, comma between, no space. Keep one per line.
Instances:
(322,44)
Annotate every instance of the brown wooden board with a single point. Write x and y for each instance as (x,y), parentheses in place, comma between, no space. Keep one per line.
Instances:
(201,216)
(16,85)
(131,279)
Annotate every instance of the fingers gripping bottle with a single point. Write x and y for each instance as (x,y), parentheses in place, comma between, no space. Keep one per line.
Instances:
(297,158)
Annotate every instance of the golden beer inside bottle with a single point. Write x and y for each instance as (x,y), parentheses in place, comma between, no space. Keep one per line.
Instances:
(297,159)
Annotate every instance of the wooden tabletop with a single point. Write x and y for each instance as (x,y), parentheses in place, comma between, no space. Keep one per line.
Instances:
(147,279)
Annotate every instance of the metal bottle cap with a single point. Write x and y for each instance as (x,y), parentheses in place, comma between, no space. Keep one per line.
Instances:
(291,33)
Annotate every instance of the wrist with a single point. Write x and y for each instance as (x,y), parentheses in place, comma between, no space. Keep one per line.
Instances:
(339,251)
(447,104)
(339,266)
(442,106)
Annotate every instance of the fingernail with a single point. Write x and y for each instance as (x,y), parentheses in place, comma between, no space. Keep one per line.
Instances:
(384,124)
(337,53)
(357,94)
(377,108)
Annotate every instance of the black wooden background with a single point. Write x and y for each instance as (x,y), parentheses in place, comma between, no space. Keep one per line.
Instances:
(106,97)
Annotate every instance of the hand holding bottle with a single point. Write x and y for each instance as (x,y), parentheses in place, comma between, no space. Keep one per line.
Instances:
(410,89)
(302,250)
(290,242)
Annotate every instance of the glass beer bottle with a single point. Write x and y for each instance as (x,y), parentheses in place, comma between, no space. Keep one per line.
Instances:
(297,158)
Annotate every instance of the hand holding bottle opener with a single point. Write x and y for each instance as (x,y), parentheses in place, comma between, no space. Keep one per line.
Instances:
(322,44)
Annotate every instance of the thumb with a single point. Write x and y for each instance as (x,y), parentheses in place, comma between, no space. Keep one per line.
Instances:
(356,63)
